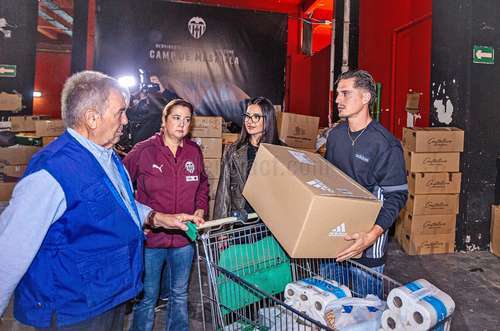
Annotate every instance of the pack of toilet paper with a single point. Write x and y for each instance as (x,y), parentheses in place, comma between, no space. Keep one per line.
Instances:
(311,296)
(418,305)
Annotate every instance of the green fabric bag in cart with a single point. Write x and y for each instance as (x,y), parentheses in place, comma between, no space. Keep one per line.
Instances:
(263,264)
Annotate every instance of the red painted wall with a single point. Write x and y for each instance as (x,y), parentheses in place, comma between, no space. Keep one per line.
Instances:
(378,21)
(51,71)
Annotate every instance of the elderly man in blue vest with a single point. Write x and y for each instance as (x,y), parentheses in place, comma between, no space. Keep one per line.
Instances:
(71,239)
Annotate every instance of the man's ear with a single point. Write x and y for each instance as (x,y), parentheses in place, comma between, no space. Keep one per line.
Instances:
(366,97)
(90,118)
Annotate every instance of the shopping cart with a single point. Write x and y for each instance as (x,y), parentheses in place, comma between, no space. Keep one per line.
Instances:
(247,273)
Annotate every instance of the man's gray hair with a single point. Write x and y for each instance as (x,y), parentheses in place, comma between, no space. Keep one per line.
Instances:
(362,79)
(87,90)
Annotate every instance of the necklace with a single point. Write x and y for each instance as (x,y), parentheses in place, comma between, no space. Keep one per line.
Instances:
(359,135)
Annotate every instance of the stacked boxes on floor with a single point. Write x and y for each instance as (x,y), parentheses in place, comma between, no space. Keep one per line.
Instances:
(432,157)
(13,162)
(206,131)
(298,131)
(36,130)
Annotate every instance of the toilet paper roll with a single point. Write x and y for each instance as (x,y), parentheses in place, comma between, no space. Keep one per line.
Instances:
(393,321)
(430,310)
(402,297)
(297,295)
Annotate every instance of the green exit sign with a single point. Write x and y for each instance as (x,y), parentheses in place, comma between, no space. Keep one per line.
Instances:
(483,54)
(8,70)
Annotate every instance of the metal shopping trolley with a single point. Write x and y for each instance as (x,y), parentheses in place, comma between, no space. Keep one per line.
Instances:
(247,273)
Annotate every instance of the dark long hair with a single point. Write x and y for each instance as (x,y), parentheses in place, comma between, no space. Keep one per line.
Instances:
(270,134)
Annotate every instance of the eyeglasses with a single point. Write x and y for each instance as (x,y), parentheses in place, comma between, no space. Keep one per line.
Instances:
(254,118)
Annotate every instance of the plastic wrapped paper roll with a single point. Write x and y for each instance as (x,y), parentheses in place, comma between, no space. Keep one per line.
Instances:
(430,310)
(402,297)
(393,321)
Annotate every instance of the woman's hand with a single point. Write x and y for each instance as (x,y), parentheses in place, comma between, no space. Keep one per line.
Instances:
(196,219)
(199,213)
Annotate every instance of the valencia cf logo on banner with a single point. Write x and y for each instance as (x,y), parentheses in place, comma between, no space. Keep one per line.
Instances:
(197,27)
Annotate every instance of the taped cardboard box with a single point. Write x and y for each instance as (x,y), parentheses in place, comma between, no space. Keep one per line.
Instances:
(206,126)
(434,182)
(212,168)
(434,139)
(428,224)
(432,162)
(6,191)
(49,128)
(428,244)
(213,182)
(16,155)
(308,204)
(211,148)
(495,230)
(297,130)
(432,204)
(25,123)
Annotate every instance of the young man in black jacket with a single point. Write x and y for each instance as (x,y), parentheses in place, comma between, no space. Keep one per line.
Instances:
(371,155)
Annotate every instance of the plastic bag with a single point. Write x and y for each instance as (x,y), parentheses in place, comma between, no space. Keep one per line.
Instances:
(355,314)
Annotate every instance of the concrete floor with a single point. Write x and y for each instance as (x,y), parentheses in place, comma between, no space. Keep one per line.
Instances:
(472,279)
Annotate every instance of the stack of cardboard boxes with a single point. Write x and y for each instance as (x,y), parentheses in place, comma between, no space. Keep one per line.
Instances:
(36,130)
(298,131)
(432,157)
(13,162)
(206,131)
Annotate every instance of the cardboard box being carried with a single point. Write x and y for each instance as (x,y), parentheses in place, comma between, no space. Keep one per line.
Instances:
(25,123)
(434,182)
(428,244)
(433,204)
(307,203)
(49,128)
(428,224)
(297,130)
(212,168)
(6,191)
(206,126)
(16,155)
(432,162)
(433,139)
(495,230)
(210,147)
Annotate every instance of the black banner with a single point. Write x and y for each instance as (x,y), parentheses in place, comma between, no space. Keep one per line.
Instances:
(217,58)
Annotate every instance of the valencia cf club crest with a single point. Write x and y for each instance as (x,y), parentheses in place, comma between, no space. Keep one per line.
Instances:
(197,27)
(189,166)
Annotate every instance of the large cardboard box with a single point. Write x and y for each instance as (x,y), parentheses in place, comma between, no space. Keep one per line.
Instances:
(12,171)
(308,204)
(213,182)
(432,204)
(6,191)
(428,244)
(297,130)
(49,128)
(495,230)
(434,182)
(428,224)
(25,123)
(212,168)
(432,162)
(206,126)
(434,139)
(16,155)
(210,147)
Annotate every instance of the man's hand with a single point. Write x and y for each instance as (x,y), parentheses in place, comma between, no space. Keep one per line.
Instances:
(361,241)
(176,221)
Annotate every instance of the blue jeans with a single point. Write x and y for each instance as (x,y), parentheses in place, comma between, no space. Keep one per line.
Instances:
(178,263)
(361,283)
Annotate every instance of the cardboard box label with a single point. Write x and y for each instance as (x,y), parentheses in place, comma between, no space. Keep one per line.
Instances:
(434,182)
(296,201)
(211,148)
(432,162)
(49,128)
(434,139)
(212,168)
(433,204)
(297,130)
(206,126)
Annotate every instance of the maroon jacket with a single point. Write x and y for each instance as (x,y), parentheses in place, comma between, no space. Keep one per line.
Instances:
(168,184)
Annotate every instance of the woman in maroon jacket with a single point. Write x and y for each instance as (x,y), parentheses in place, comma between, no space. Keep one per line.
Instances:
(170,177)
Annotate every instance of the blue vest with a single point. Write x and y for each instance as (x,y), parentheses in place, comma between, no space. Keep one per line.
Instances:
(91,259)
